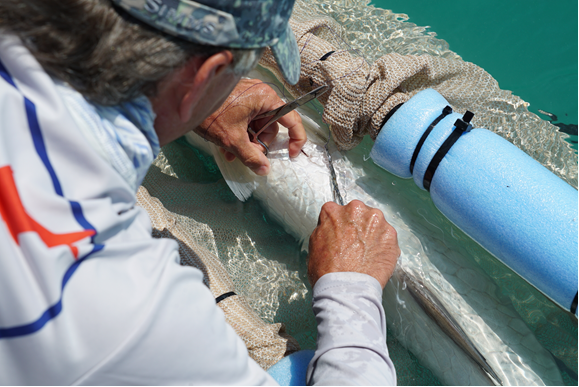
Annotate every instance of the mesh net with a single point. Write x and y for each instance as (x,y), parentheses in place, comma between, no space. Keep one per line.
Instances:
(365,86)
(238,246)
(266,343)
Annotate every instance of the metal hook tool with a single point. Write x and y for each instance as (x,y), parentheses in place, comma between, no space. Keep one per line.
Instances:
(281,111)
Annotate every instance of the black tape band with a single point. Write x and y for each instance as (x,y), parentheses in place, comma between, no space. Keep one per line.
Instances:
(573,308)
(326,55)
(446,111)
(390,113)
(461,126)
(224,296)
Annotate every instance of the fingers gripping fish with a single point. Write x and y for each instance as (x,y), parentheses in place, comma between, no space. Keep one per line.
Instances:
(294,192)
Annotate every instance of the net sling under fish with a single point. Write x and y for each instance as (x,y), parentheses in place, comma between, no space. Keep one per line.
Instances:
(363,93)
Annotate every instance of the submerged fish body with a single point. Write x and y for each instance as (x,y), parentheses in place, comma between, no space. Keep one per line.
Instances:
(440,315)
(294,192)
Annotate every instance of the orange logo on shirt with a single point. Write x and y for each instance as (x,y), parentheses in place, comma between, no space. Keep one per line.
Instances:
(18,221)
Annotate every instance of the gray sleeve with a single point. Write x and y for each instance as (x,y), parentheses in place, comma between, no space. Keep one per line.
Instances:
(351,347)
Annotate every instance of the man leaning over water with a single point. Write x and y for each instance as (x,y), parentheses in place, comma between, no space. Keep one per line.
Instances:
(89,92)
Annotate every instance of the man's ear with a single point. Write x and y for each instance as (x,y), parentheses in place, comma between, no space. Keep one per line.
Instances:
(197,78)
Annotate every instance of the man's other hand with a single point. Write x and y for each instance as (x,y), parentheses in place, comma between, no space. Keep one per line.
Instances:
(352,238)
(227,127)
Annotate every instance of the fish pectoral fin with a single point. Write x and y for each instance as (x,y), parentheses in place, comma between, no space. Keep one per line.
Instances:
(240,179)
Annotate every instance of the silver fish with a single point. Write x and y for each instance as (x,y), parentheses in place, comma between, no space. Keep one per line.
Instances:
(434,308)
(294,192)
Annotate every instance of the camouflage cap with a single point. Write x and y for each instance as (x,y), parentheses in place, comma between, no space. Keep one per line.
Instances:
(226,23)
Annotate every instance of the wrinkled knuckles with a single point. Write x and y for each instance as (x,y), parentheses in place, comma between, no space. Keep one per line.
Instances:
(329,207)
(374,212)
(356,204)
(265,89)
(357,211)
(238,137)
(376,219)
(225,142)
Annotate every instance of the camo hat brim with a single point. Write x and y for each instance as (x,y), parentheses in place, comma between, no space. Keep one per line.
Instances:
(226,23)
(287,56)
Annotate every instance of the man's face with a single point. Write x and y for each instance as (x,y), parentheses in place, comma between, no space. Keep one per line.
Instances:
(221,87)
(168,103)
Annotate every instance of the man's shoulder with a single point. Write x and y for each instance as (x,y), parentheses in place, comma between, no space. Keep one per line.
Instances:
(79,266)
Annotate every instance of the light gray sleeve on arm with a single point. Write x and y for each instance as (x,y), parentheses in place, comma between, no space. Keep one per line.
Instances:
(351,347)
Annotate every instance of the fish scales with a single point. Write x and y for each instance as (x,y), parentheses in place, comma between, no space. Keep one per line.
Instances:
(440,315)
(301,185)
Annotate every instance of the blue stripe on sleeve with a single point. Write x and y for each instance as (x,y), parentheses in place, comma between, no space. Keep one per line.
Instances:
(4,74)
(40,146)
(50,313)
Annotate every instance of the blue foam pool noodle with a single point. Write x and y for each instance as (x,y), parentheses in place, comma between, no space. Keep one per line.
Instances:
(504,199)
(292,369)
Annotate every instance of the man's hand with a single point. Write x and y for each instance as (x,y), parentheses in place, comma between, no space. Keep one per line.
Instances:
(227,127)
(352,238)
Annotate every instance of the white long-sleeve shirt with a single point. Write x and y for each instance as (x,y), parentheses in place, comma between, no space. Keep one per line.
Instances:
(87,296)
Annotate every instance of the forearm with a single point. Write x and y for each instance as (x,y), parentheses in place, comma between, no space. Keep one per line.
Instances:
(351,346)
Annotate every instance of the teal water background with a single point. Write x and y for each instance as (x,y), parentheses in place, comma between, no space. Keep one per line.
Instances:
(550,325)
(529,47)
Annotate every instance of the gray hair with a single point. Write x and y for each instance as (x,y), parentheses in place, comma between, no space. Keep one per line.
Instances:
(102,51)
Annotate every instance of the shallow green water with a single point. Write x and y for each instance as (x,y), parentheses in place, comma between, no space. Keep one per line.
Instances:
(530,48)
(551,326)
